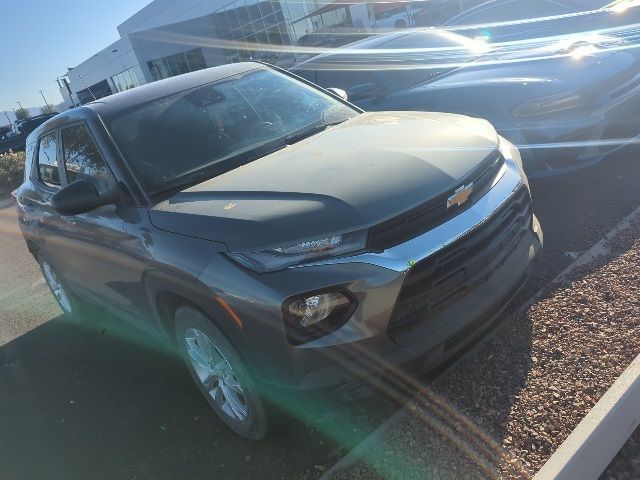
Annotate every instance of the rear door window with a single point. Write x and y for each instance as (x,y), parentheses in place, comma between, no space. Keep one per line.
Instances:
(82,159)
(48,172)
(30,152)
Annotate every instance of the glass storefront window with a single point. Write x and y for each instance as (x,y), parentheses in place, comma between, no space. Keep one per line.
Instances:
(177,64)
(125,80)
(94,92)
(266,8)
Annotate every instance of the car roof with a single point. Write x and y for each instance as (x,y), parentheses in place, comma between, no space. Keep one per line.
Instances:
(366,43)
(113,104)
(118,102)
(341,56)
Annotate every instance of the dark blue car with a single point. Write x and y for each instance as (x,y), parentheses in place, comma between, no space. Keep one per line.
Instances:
(567,101)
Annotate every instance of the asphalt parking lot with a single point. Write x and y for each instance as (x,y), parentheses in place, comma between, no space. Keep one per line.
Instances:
(103,401)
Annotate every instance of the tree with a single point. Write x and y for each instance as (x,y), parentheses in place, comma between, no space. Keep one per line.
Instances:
(22,113)
(47,109)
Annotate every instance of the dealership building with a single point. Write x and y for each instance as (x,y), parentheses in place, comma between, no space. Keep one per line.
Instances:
(171,37)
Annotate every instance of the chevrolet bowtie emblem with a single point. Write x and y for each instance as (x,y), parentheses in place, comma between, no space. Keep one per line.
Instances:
(460,196)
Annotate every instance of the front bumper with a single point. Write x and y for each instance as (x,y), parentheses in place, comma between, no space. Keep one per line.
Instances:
(364,345)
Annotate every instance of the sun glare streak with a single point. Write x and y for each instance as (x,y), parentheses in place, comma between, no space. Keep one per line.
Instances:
(544,19)
(438,414)
(469,52)
(623,5)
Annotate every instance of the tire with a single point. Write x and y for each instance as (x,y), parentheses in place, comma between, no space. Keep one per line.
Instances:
(65,298)
(220,373)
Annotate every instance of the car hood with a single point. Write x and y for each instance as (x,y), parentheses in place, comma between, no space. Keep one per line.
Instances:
(351,176)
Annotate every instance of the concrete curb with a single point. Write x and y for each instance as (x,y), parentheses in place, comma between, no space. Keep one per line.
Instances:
(587,452)
(606,420)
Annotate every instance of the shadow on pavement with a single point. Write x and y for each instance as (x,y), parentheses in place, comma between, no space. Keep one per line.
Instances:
(77,402)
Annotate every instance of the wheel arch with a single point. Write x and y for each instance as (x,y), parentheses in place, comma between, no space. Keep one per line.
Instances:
(167,290)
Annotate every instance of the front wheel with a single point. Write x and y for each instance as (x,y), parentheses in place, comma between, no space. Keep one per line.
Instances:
(60,291)
(220,373)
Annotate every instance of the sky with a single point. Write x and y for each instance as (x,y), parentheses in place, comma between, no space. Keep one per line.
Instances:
(41,38)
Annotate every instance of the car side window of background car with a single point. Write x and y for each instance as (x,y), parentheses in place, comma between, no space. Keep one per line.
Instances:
(82,158)
(48,172)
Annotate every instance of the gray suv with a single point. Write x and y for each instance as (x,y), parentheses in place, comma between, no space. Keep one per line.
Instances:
(278,236)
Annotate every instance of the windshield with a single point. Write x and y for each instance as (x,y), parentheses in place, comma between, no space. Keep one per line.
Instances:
(208,130)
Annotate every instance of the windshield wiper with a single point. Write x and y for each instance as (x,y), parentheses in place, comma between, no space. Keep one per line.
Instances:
(305,133)
(309,132)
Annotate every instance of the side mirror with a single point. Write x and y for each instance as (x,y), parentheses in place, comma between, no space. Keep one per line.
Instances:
(338,92)
(365,90)
(80,197)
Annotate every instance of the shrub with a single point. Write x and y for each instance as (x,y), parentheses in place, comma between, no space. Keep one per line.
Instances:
(22,113)
(11,170)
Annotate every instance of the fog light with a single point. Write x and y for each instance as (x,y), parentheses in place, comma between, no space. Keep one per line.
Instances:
(313,316)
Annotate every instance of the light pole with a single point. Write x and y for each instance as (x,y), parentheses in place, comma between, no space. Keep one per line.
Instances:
(87,87)
(45,102)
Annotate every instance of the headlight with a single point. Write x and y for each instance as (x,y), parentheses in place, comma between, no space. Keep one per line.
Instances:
(303,252)
(315,315)
(548,105)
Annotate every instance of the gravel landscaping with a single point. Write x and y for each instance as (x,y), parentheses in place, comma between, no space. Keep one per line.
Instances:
(504,409)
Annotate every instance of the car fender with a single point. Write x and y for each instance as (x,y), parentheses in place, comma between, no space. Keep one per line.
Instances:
(159,281)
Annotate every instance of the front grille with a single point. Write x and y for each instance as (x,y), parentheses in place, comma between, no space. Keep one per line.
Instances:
(485,321)
(424,217)
(456,271)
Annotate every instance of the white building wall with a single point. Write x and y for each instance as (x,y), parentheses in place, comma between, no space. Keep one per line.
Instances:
(117,57)
(168,27)
(177,38)
(162,28)
(163,12)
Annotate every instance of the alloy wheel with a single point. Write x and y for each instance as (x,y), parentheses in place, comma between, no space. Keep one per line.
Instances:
(216,374)
(56,288)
